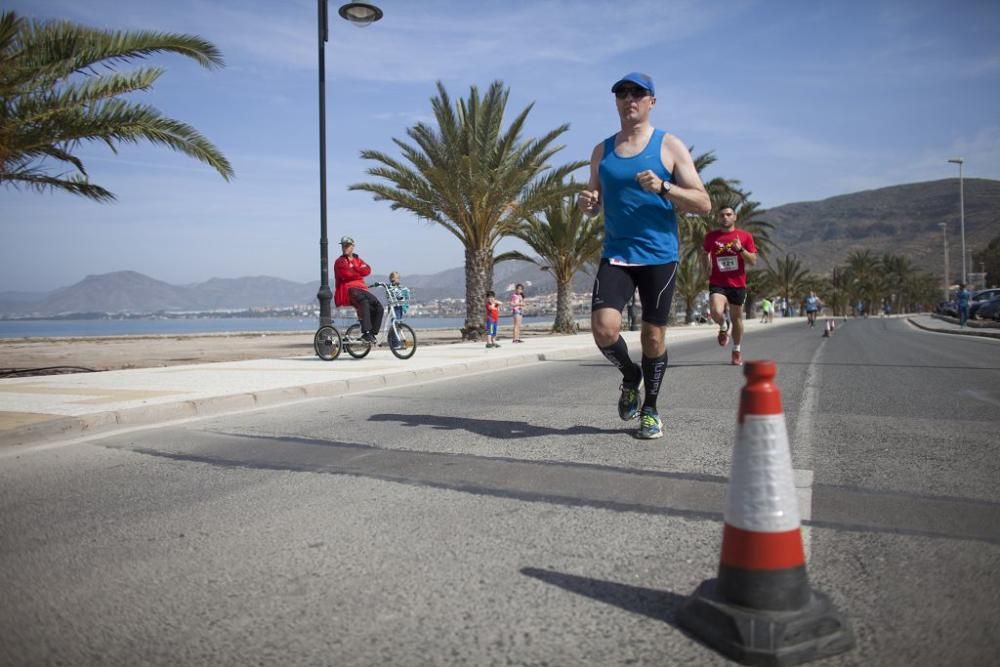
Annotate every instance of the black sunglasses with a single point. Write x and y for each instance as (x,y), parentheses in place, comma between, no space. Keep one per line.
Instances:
(636,93)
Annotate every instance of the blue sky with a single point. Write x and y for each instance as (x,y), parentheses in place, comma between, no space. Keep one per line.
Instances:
(799,100)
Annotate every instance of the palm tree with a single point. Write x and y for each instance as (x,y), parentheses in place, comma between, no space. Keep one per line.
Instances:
(759,285)
(472,178)
(566,240)
(724,192)
(865,270)
(750,217)
(839,295)
(898,270)
(789,275)
(59,89)
(691,281)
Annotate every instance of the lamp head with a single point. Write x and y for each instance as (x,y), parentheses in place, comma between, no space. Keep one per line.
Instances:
(956,160)
(360,14)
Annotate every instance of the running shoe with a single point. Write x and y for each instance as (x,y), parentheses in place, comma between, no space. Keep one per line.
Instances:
(628,402)
(723,336)
(737,358)
(650,426)
(369,336)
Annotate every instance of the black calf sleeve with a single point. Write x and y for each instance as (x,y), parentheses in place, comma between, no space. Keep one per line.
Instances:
(617,354)
(652,370)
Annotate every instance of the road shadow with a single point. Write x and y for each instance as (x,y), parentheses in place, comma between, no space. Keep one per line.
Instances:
(500,429)
(656,604)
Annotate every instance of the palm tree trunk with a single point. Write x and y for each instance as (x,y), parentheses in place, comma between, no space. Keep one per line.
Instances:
(478,280)
(565,322)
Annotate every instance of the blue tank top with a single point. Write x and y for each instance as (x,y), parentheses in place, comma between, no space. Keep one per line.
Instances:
(639,227)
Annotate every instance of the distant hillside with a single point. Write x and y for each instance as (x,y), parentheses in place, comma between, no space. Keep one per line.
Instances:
(133,292)
(902,219)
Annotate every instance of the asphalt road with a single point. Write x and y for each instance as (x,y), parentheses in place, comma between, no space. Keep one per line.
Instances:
(510,518)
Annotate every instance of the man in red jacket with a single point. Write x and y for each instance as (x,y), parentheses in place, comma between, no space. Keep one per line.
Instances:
(349,271)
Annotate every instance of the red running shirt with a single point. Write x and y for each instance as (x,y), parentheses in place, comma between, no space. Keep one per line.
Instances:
(728,268)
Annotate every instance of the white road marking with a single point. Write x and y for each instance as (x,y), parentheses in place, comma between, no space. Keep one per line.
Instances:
(802,444)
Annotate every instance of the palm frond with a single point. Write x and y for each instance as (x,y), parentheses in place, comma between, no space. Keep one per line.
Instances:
(59,89)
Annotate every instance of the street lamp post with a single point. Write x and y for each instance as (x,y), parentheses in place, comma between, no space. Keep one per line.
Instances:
(360,14)
(944,233)
(961,211)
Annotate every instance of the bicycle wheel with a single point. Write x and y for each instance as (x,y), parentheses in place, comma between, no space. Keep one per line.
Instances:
(326,342)
(355,345)
(406,343)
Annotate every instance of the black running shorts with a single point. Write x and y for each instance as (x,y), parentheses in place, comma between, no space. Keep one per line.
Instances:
(616,284)
(736,296)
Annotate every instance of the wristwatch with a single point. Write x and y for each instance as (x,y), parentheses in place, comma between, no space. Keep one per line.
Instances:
(664,188)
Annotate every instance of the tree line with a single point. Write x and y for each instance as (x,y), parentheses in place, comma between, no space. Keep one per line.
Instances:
(468,172)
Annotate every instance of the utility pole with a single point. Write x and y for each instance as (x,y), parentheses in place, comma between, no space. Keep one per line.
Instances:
(944,233)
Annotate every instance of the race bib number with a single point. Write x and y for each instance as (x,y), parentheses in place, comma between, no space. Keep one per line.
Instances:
(727,263)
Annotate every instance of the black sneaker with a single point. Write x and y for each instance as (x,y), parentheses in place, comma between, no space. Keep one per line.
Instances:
(628,402)
(370,337)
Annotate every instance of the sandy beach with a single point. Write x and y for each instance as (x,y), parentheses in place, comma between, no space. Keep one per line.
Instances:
(61,355)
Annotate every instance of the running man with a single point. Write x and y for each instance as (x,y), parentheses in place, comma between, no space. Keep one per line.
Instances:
(727,252)
(812,307)
(640,176)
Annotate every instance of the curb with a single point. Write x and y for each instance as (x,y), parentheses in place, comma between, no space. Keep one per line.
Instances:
(100,423)
(61,429)
(960,332)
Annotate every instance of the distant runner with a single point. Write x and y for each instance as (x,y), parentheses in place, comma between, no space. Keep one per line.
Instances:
(727,252)
(812,307)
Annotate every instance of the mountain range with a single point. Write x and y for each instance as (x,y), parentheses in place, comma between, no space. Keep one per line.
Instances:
(903,220)
(133,292)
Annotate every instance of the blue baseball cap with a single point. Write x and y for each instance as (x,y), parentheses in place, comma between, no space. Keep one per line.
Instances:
(639,79)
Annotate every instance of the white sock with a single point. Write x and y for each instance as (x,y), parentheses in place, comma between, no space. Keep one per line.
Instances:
(736,348)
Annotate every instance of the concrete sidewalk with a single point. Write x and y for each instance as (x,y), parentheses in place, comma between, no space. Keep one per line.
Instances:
(951,326)
(36,410)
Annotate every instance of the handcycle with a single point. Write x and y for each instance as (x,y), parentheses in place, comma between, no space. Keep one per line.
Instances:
(401,338)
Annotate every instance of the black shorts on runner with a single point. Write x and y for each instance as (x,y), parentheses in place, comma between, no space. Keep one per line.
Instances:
(736,296)
(615,285)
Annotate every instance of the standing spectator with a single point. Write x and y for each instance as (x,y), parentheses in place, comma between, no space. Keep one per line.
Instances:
(963,304)
(349,271)
(492,319)
(765,310)
(517,310)
(399,294)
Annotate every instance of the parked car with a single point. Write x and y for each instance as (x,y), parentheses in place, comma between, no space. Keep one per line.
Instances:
(989,310)
(949,308)
(981,297)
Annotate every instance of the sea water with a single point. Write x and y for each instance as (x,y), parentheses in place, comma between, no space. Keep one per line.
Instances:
(207,325)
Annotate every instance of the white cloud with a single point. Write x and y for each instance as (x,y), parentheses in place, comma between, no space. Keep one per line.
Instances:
(432,40)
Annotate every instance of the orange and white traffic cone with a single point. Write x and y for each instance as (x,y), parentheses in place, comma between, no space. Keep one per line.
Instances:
(761,610)
(826,329)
